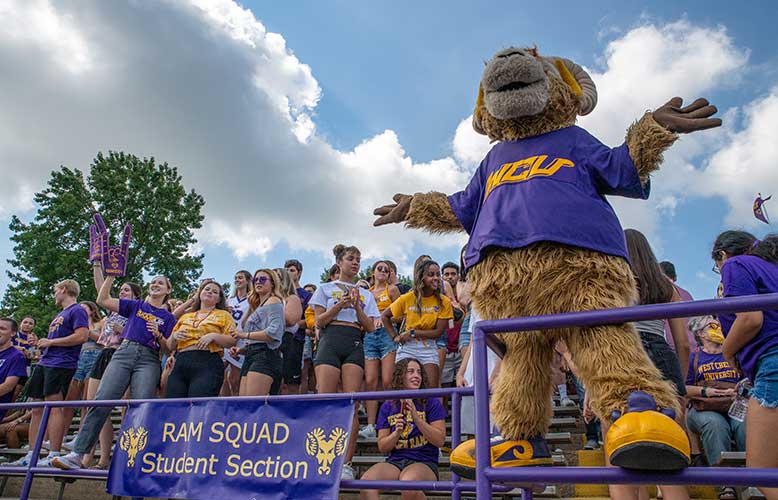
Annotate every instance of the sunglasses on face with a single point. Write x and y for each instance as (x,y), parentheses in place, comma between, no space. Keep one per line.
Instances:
(382,269)
(261,280)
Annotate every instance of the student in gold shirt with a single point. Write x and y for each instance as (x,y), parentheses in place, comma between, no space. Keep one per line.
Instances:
(426,313)
(199,338)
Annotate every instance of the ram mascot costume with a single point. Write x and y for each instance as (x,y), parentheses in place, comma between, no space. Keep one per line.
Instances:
(544,240)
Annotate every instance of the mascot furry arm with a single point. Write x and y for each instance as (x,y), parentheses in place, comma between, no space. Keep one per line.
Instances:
(647,139)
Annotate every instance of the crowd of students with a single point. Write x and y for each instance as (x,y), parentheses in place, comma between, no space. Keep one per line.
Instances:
(274,336)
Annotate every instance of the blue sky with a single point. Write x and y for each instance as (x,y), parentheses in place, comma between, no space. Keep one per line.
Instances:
(379,91)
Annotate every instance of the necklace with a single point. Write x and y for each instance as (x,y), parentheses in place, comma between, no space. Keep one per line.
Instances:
(197,321)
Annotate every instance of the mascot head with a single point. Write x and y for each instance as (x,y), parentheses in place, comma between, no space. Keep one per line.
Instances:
(523,94)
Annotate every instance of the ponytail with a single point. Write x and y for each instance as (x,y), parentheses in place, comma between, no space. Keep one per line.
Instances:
(744,243)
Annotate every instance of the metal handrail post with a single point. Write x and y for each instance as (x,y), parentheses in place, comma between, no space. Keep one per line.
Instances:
(482,437)
(36,450)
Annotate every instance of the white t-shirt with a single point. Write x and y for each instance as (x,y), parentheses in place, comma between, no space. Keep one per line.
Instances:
(238,309)
(329,294)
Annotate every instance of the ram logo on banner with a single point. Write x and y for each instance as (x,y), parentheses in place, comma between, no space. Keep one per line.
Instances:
(232,449)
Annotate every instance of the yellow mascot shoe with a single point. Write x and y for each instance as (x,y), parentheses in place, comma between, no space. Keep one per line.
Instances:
(505,453)
(646,439)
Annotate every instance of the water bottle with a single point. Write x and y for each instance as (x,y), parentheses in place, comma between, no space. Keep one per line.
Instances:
(739,407)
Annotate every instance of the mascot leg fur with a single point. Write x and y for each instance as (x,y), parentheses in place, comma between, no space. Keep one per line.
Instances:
(549,278)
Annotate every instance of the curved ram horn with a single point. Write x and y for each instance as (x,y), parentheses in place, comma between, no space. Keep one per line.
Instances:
(588,89)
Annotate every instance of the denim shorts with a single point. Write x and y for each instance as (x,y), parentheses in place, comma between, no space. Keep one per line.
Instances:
(402,463)
(308,348)
(378,344)
(765,391)
(86,360)
(425,354)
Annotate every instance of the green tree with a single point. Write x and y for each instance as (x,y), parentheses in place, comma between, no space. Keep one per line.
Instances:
(364,274)
(124,189)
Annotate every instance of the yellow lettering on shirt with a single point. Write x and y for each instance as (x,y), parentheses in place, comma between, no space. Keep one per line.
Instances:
(524,170)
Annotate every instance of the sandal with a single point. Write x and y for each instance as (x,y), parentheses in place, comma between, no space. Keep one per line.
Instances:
(108,466)
(727,493)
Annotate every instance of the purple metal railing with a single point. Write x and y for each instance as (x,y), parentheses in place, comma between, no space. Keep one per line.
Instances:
(455,486)
(486,474)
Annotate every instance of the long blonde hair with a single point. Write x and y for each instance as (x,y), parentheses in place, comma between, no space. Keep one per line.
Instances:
(287,285)
(254,299)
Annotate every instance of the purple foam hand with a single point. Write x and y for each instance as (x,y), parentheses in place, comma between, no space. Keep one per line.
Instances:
(95,245)
(116,257)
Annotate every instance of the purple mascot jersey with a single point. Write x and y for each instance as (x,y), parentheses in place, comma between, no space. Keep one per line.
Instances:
(550,187)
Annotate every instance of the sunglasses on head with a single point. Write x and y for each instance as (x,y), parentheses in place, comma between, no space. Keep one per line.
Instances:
(261,280)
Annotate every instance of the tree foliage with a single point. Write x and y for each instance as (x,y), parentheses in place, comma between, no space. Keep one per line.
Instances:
(124,189)
(364,274)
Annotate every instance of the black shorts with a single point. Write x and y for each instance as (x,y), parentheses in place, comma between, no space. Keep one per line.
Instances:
(340,345)
(665,360)
(402,463)
(101,363)
(292,352)
(196,374)
(262,359)
(47,381)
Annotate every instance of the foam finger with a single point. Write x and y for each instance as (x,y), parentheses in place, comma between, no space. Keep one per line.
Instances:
(100,222)
(127,237)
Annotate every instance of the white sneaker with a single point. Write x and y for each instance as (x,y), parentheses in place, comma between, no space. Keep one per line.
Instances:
(347,473)
(46,462)
(69,445)
(567,402)
(67,462)
(22,462)
(46,445)
(367,431)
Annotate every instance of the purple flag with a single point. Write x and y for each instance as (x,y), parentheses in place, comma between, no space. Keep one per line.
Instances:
(759,211)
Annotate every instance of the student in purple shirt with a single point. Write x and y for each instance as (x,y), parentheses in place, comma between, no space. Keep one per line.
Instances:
(13,365)
(710,387)
(410,431)
(135,364)
(59,357)
(749,266)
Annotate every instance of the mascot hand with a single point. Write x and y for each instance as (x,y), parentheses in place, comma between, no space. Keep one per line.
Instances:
(694,117)
(394,213)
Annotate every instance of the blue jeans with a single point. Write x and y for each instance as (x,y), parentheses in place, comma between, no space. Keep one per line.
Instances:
(133,365)
(765,391)
(717,431)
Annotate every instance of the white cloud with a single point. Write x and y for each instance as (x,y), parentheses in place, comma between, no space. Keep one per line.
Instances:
(204,86)
(642,70)
(746,164)
(469,146)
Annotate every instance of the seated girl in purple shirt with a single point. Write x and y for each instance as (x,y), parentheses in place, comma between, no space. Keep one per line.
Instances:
(411,431)
(749,267)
